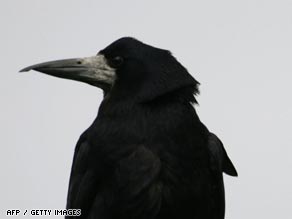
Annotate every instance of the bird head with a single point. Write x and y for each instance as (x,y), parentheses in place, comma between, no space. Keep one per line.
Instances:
(126,69)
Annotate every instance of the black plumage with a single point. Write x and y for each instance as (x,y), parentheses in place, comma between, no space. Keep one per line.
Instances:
(147,155)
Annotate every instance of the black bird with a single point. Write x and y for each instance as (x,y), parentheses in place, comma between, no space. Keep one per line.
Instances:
(147,155)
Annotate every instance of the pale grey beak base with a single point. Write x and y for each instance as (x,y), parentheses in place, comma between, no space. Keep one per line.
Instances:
(93,70)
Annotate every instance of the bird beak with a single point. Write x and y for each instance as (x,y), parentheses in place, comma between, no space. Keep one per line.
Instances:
(92,70)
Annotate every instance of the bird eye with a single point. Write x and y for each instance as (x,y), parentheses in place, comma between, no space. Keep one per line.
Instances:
(117,61)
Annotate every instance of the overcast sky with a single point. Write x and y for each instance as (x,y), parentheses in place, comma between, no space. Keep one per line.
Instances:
(240,52)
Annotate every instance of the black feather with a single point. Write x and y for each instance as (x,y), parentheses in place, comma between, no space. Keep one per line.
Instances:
(220,159)
(147,155)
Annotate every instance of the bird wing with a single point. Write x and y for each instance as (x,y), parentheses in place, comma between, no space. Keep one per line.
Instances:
(78,169)
(139,190)
(219,158)
(219,163)
(128,187)
(85,180)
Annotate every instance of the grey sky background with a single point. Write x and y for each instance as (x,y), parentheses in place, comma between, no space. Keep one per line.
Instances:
(240,52)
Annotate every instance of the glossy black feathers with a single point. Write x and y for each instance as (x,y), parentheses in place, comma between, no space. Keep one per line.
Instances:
(147,155)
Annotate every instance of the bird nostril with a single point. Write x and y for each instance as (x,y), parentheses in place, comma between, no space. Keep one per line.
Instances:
(79,62)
